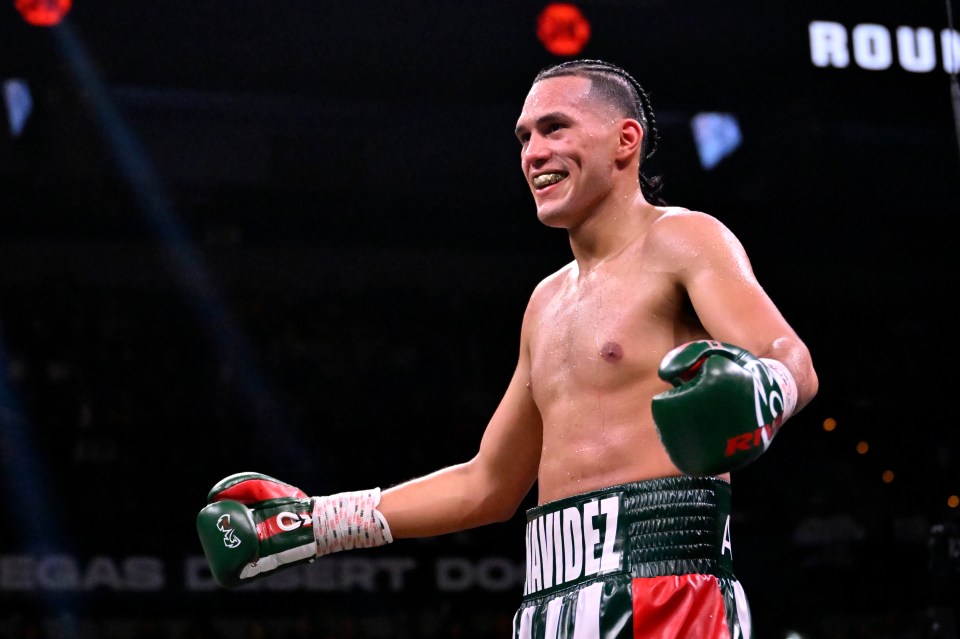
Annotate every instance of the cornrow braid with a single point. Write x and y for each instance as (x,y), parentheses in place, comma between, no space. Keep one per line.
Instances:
(622,90)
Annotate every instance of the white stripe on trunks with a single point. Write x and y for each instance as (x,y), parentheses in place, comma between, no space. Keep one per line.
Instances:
(553,616)
(586,615)
(588,612)
(525,629)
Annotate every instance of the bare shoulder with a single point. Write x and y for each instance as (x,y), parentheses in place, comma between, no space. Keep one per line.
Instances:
(543,294)
(679,223)
(548,286)
(680,232)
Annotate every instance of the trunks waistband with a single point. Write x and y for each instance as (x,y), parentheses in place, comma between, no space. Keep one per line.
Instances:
(667,526)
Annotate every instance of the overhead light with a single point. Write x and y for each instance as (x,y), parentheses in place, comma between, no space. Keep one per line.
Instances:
(563,29)
(43,13)
(717,135)
(16,95)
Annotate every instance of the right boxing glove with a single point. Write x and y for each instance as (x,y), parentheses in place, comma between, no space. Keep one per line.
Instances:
(255,524)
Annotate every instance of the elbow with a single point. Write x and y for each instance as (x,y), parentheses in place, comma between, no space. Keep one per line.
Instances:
(811,385)
(500,508)
(503,502)
(505,514)
(795,355)
(808,382)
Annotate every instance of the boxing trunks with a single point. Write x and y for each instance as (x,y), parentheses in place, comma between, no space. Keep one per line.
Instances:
(644,560)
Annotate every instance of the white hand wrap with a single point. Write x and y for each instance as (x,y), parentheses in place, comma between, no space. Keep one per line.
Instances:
(788,386)
(349,520)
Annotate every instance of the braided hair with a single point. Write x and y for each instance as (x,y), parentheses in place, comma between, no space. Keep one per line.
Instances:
(620,89)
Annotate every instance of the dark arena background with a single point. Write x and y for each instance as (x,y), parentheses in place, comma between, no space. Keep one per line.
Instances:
(293,237)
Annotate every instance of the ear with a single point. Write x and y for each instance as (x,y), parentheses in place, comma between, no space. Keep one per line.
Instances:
(631,137)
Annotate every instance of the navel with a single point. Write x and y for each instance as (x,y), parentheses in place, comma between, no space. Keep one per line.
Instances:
(611,352)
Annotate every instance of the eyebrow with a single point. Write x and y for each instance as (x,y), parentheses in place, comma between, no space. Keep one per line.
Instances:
(546,117)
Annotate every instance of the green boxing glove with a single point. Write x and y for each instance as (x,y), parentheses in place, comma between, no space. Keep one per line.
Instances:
(725,408)
(255,524)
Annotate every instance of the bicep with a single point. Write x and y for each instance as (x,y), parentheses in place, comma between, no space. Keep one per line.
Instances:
(509,453)
(486,489)
(733,307)
(729,299)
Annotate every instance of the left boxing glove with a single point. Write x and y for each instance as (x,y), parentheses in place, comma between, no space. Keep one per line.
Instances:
(725,407)
(255,524)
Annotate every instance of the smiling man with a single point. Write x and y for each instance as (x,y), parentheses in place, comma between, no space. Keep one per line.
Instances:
(650,367)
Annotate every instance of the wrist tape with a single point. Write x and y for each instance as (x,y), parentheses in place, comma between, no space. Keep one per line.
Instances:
(349,520)
(788,386)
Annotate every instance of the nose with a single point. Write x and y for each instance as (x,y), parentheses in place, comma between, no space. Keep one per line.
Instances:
(535,150)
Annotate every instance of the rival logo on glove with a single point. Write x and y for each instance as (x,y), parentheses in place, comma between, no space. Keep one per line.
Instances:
(230,539)
(768,399)
(288,521)
(761,436)
(283,522)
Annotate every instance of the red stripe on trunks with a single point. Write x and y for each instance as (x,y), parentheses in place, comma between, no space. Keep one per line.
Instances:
(674,606)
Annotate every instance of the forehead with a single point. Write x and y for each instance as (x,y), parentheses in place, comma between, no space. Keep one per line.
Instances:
(565,94)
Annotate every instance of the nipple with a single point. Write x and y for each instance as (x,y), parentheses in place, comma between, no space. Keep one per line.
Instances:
(611,352)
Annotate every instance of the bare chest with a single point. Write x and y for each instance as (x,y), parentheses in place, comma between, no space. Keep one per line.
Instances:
(600,335)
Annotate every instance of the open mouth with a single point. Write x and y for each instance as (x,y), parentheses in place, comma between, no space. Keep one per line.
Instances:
(546,179)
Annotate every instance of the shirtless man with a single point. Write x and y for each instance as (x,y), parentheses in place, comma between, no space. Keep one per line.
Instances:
(650,366)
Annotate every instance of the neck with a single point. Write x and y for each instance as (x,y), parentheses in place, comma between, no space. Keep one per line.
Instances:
(611,229)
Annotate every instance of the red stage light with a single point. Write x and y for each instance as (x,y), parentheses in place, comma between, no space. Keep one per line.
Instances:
(43,13)
(563,29)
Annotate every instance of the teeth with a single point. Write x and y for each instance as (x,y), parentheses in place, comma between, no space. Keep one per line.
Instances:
(547,179)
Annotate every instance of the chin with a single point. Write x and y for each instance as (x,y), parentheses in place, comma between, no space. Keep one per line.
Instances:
(552,217)
(554,221)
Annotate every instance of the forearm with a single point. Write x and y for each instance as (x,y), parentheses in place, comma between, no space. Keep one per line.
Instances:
(793,354)
(449,500)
